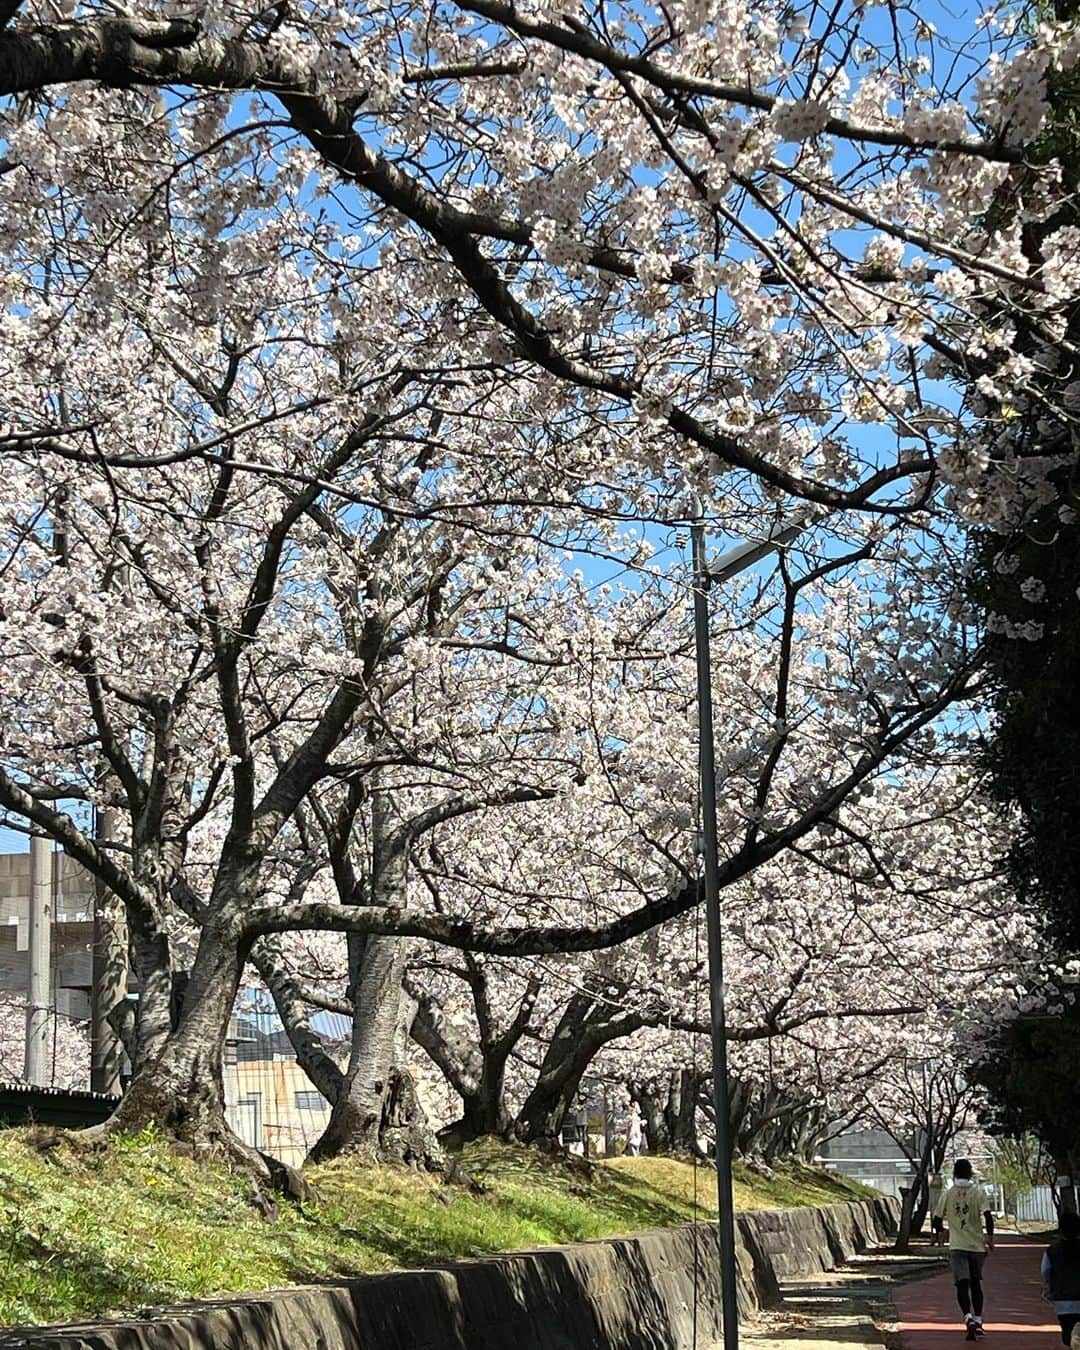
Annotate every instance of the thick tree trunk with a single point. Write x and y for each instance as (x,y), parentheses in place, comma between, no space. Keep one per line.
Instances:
(406,1134)
(907,1205)
(681,1110)
(568,1055)
(476,1072)
(485,1110)
(181,1090)
(910,1202)
(584,1028)
(922,1204)
(356,1118)
(152,961)
(544,1113)
(376,1115)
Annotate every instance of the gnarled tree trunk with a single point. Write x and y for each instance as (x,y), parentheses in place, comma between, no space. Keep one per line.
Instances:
(181,1089)
(587,1024)
(151,958)
(475,1070)
(356,1116)
(376,1115)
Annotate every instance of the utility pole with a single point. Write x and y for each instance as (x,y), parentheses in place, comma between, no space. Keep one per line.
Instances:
(109,970)
(38,1068)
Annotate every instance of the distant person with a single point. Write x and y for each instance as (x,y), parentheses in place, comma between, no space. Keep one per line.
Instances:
(936,1188)
(634,1133)
(1061,1277)
(965,1208)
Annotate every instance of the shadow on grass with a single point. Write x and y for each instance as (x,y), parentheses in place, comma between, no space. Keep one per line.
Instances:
(50,1281)
(533,1199)
(608,1198)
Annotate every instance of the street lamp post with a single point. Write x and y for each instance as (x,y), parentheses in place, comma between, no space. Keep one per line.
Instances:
(725,567)
(729,1298)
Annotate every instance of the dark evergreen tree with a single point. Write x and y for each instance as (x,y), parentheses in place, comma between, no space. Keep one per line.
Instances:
(1026,582)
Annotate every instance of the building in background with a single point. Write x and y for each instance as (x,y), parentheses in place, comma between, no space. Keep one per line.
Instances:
(869,1156)
(48,968)
(269,1101)
(72,934)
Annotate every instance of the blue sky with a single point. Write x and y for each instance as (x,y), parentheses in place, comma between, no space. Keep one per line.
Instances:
(10,842)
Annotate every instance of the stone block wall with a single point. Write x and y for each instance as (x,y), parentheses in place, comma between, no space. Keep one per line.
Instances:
(658,1290)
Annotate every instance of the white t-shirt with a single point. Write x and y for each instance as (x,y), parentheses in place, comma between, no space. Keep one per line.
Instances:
(962,1207)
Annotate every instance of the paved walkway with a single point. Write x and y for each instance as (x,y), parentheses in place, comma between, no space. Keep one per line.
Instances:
(835,1310)
(1016,1317)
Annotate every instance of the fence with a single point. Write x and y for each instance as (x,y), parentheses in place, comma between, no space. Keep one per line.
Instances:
(1037,1206)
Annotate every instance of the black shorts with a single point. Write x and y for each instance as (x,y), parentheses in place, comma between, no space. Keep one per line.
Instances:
(966,1265)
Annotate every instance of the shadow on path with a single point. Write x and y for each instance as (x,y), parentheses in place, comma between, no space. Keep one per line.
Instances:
(836,1310)
(1016,1318)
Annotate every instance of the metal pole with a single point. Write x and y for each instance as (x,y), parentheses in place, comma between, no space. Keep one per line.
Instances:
(729,1297)
(38,960)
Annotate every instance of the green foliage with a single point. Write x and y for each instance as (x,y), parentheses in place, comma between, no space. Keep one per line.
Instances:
(1020,1164)
(88,1229)
(1033,755)
(1032,1076)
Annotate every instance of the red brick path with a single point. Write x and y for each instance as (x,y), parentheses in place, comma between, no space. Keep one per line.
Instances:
(1016,1317)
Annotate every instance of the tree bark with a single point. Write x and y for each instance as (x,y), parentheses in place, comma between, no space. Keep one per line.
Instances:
(405,1132)
(356,1118)
(476,1070)
(907,1205)
(584,1028)
(151,959)
(376,1115)
(681,1111)
(181,1090)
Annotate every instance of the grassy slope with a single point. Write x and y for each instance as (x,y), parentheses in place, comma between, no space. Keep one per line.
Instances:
(789,1188)
(87,1230)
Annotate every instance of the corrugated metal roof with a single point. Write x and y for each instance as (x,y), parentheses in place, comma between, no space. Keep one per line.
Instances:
(17,1085)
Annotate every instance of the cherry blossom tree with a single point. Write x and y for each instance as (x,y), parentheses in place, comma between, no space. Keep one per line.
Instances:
(69,1048)
(322,329)
(792,206)
(923,910)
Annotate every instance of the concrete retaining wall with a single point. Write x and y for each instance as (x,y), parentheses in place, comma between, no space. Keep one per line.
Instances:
(637,1293)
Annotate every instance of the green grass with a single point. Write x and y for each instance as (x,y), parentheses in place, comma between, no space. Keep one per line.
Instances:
(93,1229)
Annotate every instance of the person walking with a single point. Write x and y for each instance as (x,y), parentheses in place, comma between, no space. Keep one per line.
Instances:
(1061,1277)
(965,1208)
(634,1132)
(936,1188)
